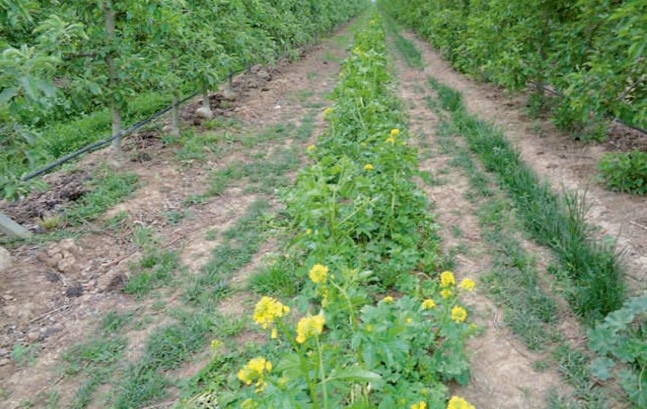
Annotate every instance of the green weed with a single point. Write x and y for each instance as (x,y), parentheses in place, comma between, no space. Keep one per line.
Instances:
(25,355)
(107,188)
(407,49)
(154,269)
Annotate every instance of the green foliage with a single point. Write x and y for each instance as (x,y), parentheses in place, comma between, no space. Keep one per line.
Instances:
(621,344)
(55,62)
(359,226)
(625,172)
(25,355)
(558,223)
(592,51)
(154,269)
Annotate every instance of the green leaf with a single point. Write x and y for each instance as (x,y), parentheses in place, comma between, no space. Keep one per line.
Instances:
(7,94)
(601,368)
(356,374)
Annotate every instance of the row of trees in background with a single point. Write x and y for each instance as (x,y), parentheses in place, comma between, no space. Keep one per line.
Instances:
(592,52)
(61,59)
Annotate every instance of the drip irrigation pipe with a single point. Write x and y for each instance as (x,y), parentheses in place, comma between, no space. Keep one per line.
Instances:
(614,120)
(125,132)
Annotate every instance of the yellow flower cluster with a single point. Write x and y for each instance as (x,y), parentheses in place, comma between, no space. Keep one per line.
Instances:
(310,148)
(447,279)
(428,304)
(419,405)
(267,310)
(318,273)
(459,403)
(394,133)
(327,111)
(368,166)
(254,371)
(446,293)
(387,300)
(467,284)
(308,327)
(459,314)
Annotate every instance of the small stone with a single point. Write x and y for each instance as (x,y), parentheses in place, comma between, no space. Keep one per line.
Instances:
(52,276)
(204,112)
(4,362)
(4,352)
(33,336)
(264,75)
(74,291)
(228,95)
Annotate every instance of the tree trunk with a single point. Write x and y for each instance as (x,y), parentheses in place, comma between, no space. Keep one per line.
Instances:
(175,123)
(205,98)
(113,82)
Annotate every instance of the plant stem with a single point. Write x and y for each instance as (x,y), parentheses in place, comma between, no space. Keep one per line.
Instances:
(303,364)
(322,373)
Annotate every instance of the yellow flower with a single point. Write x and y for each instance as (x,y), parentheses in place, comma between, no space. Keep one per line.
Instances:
(216,344)
(447,279)
(459,314)
(254,370)
(318,273)
(409,320)
(308,232)
(467,284)
(459,403)
(310,148)
(387,300)
(274,334)
(395,132)
(248,404)
(446,293)
(428,304)
(327,112)
(419,405)
(309,327)
(368,166)
(390,140)
(267,310)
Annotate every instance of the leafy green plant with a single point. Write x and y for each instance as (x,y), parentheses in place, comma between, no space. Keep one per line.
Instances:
(625,172)
(621,344)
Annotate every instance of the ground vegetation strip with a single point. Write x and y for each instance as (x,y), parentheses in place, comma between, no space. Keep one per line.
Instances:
(374,324)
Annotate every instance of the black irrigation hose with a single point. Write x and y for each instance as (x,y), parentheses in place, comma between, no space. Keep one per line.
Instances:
(125,132)
(559,94)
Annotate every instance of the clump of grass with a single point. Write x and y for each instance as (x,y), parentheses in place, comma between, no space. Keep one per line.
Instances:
(553,221)
(154,269)
(277,278)
(107,188)
(406,48)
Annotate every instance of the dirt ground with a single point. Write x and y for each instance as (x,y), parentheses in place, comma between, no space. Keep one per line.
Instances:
(52,295)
